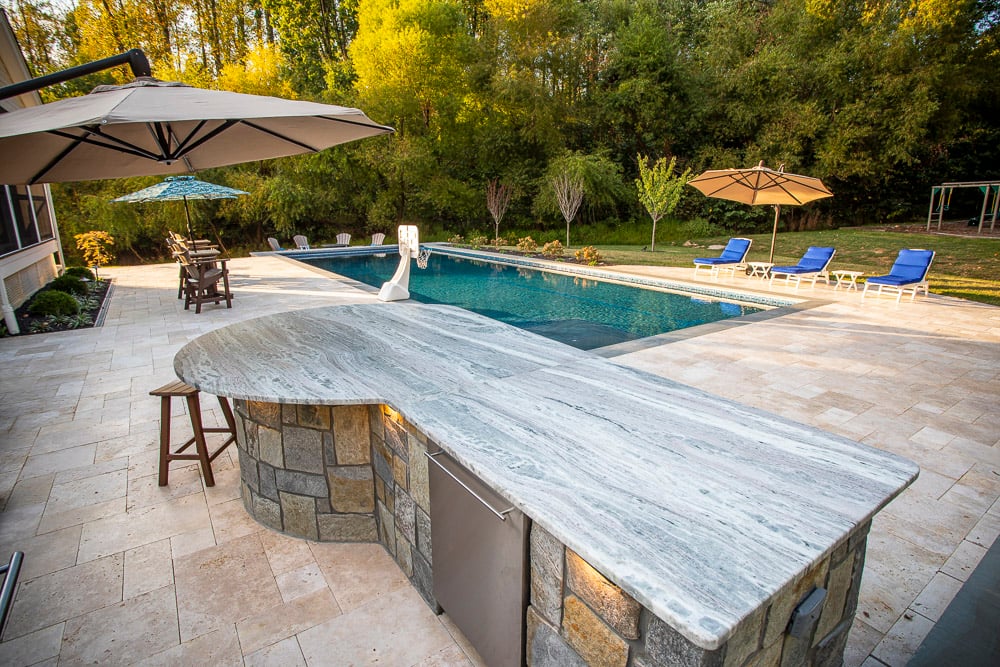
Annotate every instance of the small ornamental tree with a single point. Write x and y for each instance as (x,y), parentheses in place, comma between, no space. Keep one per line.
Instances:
(569,195)
(95,246)
(659,190)
(497,201)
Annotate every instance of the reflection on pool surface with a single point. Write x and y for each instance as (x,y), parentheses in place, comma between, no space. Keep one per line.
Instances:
(575,310)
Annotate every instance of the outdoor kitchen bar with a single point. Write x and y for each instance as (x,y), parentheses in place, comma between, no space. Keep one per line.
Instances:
(653,523)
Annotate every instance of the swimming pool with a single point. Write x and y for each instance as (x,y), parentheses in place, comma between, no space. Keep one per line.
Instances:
(576,310)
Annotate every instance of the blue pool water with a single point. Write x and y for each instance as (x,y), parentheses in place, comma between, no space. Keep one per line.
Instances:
(575,310)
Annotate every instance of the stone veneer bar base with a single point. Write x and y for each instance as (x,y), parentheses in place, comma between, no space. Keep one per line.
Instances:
(358,473)
(578,617)
(352,473)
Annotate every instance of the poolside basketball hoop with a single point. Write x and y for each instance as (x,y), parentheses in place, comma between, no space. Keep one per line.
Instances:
(398,288)
(425,254)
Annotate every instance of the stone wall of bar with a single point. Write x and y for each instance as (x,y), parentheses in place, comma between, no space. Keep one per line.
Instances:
(578,617)
(353,473)
(359,474)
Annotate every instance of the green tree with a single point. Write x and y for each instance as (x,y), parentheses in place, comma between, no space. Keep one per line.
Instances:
(659,189)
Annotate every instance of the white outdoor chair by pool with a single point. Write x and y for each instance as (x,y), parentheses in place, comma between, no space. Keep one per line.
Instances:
(732,258)
(343,239)
(813,266)
(378,238)
(909,272)
(301,242)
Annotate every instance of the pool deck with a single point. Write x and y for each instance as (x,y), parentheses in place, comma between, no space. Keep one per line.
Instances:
(116,566)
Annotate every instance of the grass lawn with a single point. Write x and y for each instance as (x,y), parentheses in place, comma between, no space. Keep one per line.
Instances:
(964,267)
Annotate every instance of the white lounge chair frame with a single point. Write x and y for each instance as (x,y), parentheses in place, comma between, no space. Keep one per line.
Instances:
(913,288)
(301,242)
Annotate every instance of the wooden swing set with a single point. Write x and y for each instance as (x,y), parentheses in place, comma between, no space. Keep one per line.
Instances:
(941,200)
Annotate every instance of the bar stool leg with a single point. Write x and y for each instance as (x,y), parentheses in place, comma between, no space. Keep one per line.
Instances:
(194,408)
(164,439)
(227,412)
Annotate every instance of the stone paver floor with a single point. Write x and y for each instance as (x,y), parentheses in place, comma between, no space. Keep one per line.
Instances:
(121,571)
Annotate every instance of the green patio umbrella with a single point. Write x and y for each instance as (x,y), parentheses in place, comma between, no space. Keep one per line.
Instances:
(177,188)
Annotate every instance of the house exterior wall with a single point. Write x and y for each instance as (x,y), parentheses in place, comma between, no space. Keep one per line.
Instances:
(30,250)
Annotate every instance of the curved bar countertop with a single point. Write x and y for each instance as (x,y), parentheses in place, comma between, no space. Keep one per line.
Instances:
(700,508)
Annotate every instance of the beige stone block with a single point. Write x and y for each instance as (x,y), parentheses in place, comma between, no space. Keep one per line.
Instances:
(303,448)
(45,553)
(285,653)
(399,469)
(32,648)
(300,582)
(788,599)
(902,641)
(358,573)
(219,648)
(769,656)
(546,553)
(286,620)
(419,479)
(285,553)
(745,640)
(616,607)
(403,554)
(362,636)
(148,568)
(590,637)
(265,413)
(204,605)
(230,520)
(269,442)
(300,515)
(351,434)
(837,587)
(351,489)
(65,594)
(124,633)
(347,528)
(315,416)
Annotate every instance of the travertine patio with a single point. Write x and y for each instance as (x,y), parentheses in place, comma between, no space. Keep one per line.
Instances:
(119,570)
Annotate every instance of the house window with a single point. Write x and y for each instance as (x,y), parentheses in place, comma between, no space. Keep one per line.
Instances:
(8,237)
(23,214)
(41,205)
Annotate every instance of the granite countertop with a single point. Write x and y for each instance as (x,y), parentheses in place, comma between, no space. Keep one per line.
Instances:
(700,508)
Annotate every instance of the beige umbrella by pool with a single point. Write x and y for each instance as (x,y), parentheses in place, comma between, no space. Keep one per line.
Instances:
(151,127)
(760,185)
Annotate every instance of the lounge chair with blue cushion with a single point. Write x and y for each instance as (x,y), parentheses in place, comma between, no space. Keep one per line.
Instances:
(732,258)
(909,272)
(813,266)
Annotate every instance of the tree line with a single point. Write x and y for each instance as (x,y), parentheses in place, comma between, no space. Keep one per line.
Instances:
(879,98)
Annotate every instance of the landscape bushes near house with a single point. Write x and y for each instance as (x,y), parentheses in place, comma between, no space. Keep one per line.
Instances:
(880,100)
(72,300)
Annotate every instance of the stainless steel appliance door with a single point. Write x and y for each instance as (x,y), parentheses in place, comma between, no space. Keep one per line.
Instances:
(480,551)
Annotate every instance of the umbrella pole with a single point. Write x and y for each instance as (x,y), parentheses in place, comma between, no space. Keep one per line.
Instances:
(774,232)
(187,213)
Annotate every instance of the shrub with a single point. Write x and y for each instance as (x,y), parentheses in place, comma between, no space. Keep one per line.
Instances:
(499,241)
(70,285)
(527,244)
(53,302)
(590,255)
(478,242)
(553,249)
(457,239)
(81,272)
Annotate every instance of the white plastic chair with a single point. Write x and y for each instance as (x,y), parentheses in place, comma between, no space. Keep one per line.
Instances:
(301,242)
(344,239)
(378,238)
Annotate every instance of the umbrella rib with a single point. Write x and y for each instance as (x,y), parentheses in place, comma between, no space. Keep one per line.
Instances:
(356,123)
(182,145)
(277,135)
(53,162)
(111,143)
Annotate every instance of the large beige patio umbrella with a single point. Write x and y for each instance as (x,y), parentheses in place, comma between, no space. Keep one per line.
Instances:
(151,127)
(760,185)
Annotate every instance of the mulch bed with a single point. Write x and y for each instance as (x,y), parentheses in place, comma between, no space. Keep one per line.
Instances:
(35,324)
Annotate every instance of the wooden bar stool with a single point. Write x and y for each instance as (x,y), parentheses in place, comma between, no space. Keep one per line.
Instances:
(178,388)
